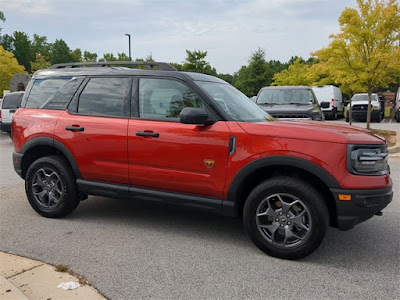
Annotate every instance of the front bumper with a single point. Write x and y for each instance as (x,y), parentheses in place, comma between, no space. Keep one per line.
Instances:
(357,114)
(363,205)
(17,161)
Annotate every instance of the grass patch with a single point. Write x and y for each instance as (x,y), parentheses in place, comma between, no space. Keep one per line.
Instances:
(62,268)
(389,135)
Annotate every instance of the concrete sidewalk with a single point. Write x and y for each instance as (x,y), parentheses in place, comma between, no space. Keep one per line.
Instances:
(395,150)
(23,278)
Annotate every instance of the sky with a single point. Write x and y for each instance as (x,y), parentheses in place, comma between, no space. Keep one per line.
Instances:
(229,30)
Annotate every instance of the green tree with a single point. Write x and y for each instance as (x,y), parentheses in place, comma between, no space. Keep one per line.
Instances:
(366,52)
(108,57)
(60,52)
(123,57)
(22,49)
(8,68)
(89,57)
(195,62)
(76,55)
(41,62)
(256,75)
(40,45)
(2,18)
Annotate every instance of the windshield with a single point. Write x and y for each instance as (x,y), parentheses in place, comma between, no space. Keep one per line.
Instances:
(234,103)
(285,96)
(364,97)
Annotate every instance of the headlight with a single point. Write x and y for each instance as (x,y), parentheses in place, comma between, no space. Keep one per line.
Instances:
(367,159)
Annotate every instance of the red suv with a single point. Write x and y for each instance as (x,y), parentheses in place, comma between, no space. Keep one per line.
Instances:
(193,139)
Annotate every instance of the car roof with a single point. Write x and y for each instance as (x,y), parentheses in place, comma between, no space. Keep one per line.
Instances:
(120,71)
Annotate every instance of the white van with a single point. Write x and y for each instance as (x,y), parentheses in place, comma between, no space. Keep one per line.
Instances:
(397,106)
(330,100)
(9,105)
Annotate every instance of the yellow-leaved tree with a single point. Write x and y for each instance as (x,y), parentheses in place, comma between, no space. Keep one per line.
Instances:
(298,73)
(366,51)
(8,68)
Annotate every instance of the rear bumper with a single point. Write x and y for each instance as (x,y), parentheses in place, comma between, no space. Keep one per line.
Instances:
(363,205)
(6,127)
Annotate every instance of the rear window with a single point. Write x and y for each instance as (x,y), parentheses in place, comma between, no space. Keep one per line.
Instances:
(12,100)
(42,89)
(364,97)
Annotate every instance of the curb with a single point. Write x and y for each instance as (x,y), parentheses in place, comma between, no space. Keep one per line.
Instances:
(24,278)
(394,151)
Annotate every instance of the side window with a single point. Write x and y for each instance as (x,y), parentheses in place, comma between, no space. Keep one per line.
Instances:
(104,97)
(164,99)
(42,89)
(61,98)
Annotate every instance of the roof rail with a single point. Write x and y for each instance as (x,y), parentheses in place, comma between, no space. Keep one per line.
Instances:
(150,65)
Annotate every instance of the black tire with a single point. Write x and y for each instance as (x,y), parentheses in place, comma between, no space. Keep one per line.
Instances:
(335,116)
(304,222)
(398,119)
(347,118)
(50,179)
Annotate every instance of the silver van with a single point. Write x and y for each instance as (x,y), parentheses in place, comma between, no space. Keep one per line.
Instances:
(8,107)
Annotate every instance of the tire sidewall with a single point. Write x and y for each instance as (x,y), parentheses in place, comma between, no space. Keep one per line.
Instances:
(68,200)
(311,199)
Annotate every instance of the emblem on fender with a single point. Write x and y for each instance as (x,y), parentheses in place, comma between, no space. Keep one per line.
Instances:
(209,163)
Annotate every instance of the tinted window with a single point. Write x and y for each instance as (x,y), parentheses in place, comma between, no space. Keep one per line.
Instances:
(285,96)
(12,100)
(104,97)
(234,103)
(164,99)
(61,98)
(364,97)
(42,89)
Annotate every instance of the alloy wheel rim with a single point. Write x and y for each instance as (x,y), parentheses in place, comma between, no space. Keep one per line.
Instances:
(284,220)
(47,188)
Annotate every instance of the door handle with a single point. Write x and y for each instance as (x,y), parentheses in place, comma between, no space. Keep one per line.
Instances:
(75,128)
(148,133)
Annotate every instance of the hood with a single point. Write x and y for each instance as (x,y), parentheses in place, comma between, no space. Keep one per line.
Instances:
(364,102)
(313,130)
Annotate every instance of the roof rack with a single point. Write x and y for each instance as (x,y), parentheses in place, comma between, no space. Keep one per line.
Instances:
(150,65)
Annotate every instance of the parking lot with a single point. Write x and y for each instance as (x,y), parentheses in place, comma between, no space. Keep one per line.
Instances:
(131,250)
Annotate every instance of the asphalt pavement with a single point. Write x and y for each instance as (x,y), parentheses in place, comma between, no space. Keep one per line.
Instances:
(135,250)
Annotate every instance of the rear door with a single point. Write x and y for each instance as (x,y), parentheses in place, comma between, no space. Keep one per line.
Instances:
(95,128)
(165,154)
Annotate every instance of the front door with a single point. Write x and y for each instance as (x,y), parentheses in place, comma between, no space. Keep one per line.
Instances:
(167,155)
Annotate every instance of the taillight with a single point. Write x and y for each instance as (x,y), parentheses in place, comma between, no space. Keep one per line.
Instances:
(0,114)
(333,102)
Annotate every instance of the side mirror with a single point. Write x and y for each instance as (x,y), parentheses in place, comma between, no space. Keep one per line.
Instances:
(196,116)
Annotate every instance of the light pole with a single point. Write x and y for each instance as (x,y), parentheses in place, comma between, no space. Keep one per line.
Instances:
(129,37)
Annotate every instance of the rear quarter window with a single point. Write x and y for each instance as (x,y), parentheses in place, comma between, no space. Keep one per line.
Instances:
(42,90)
(12,100)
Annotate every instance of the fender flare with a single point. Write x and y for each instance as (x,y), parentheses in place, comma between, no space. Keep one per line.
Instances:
(47,141)
(230,206)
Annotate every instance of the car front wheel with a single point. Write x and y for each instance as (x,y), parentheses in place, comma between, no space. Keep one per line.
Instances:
(286,218)
(50,187)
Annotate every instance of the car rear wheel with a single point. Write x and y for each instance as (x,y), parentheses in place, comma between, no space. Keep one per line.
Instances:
(285,217)
(50,187)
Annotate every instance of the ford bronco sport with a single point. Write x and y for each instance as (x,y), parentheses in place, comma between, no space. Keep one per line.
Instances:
(192,139)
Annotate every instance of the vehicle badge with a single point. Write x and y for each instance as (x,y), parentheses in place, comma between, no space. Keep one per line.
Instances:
(209,163)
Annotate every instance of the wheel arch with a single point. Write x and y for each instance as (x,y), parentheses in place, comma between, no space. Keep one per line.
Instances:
(44,146)
(264,168)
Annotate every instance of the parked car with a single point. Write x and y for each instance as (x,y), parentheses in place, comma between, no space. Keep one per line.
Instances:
(330,100)
(290,102)
(9,105)
(397,106)
(194,140)
(359,108)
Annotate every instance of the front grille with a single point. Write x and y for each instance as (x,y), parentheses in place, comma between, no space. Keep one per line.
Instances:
(363,107)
